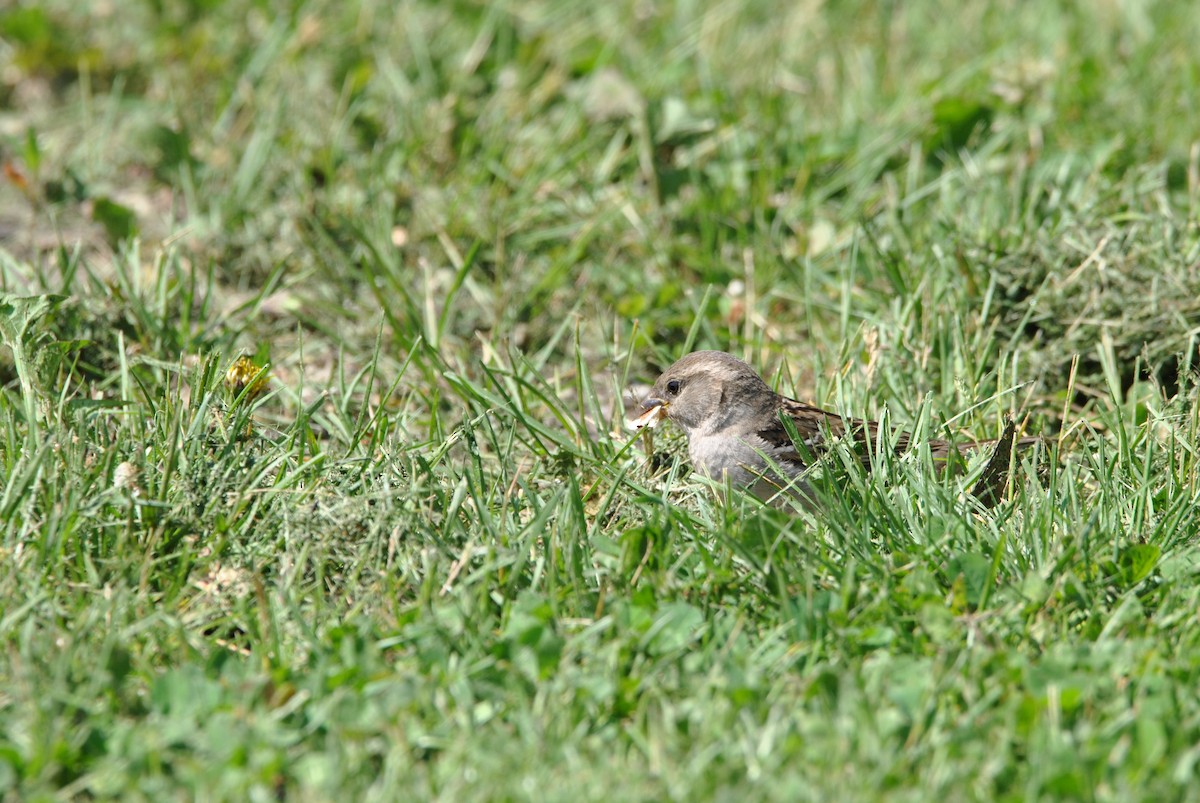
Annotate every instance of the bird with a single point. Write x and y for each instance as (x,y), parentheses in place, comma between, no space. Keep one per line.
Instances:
(736,430)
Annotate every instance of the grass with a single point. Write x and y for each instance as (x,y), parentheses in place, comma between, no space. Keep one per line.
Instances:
(428,562)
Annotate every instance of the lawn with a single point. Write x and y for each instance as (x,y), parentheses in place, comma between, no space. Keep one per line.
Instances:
(407,547)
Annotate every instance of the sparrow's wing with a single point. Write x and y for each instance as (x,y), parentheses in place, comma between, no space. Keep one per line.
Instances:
(816,430)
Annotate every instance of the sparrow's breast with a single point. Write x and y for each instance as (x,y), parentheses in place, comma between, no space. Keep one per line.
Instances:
(743,460)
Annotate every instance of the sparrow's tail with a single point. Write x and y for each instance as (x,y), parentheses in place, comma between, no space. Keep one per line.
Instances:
(1019,443)
(989,489)
(941,449)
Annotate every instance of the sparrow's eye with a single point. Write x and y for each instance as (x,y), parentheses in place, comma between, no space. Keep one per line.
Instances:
(673,387)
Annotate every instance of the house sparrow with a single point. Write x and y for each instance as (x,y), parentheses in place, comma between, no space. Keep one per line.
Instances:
(735,429)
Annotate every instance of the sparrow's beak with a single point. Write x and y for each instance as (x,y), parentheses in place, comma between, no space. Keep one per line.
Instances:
(656,410)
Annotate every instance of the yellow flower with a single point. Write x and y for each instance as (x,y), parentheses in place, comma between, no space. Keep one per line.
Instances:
(243,375)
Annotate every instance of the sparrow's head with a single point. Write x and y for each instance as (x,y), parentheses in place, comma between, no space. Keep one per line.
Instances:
(705,391)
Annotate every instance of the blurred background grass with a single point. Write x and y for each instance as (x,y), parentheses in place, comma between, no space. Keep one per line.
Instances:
(428,562)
